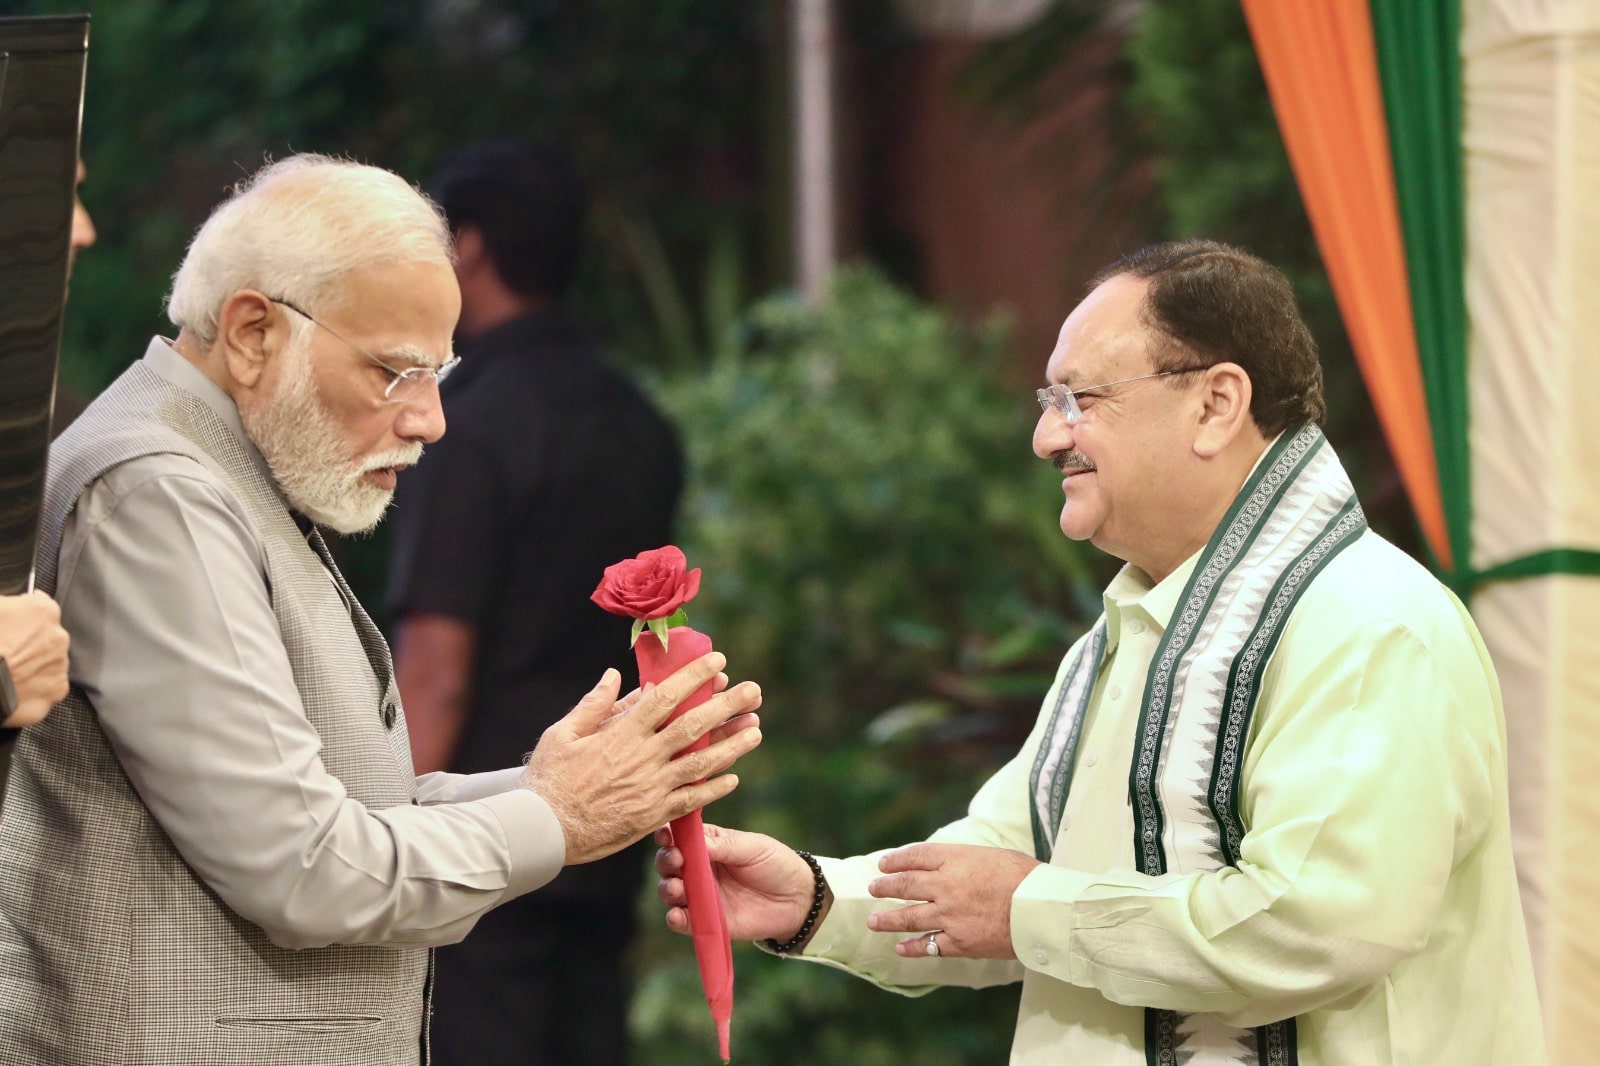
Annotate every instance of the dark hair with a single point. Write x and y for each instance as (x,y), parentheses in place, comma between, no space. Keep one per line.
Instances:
(1217,304)
(529,204)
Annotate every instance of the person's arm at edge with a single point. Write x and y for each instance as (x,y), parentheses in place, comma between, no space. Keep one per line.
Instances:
(997,816)
(842,939)
(447,522)
(434,657)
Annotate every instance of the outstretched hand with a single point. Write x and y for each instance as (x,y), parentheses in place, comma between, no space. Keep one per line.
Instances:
(766,888)
(611,777)
(965,893)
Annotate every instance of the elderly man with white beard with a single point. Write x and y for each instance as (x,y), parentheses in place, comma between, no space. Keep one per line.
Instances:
(216,849)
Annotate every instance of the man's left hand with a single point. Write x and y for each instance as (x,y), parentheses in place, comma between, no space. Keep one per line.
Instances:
(966,893)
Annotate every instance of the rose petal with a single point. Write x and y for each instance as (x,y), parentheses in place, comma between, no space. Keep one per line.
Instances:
(652,584)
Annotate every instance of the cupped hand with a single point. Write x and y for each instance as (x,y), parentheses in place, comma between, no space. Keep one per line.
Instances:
(626,703)
(610,775)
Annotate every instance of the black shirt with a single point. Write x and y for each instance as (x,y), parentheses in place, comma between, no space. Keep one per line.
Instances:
(554,465)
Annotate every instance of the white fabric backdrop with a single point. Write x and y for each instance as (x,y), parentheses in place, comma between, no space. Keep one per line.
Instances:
(1532,155)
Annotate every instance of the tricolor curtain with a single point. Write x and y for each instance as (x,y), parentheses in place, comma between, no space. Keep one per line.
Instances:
(1449,155)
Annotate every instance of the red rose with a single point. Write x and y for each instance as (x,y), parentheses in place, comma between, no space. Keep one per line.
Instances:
(652,584)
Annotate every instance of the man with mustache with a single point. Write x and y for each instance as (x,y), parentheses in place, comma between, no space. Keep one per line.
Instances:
(216,848)
(1262,815)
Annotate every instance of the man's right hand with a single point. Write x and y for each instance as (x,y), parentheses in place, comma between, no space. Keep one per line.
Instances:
(34,647)
(766,888)
(611,777)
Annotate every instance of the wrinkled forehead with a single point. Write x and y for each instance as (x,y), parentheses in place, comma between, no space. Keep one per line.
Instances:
(1104,337)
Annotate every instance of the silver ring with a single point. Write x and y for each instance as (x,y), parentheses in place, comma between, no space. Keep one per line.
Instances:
(933,945)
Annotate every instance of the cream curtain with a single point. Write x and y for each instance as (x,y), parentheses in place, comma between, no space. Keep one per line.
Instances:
(1531,72)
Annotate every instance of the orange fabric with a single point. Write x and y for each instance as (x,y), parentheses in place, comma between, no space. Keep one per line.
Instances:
(1321,69)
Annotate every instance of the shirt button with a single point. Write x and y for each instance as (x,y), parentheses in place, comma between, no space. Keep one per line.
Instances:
(1135,626)
(1066,822)
(1091,759)
(1040,957)
(1115,692)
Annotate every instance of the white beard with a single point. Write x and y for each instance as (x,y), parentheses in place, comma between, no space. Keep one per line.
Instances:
(303,445)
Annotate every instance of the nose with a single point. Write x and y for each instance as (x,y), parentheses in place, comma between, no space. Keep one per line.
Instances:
(421,419)
(1051,434)
(83,234)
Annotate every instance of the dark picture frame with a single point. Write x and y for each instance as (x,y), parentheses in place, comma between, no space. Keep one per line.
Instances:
(42,64)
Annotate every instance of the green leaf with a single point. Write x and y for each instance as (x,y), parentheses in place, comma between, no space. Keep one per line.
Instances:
(680,617)
(638,627)
(658,626)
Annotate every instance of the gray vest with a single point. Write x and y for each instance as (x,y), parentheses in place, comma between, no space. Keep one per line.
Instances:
(112,950)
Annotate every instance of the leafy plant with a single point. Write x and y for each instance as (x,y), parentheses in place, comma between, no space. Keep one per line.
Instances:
(881,551)
(659,101)
(864,499)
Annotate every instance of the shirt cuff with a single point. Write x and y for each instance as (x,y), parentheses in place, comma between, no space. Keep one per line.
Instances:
(536,844)
(1044,917)
(826,937)
(837,933)
(439,787)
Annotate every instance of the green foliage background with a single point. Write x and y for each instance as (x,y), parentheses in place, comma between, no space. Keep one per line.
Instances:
(660,101)
(882,553)
(880,548)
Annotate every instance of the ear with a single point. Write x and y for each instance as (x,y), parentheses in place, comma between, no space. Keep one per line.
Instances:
(472,254)
(1224,409)
(251,330)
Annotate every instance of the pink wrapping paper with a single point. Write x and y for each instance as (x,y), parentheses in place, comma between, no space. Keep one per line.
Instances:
(708,925)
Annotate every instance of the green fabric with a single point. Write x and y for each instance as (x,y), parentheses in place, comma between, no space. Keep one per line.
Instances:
(1419,63)
(1579,562)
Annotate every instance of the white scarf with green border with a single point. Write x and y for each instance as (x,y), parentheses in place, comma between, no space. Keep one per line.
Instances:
(1295,512)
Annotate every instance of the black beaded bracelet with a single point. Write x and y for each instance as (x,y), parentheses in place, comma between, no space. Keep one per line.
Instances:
(817,896)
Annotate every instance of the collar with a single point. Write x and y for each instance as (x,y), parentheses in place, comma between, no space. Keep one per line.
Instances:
(161,359)
(1131,593)
(1132,589)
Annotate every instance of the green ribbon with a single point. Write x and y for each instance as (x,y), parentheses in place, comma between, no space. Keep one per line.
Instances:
(1573,562)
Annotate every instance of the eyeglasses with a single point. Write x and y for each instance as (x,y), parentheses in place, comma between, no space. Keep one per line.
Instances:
(1065,400)
(407,383)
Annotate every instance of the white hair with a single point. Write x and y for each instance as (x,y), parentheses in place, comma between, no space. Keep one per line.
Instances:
(294,228)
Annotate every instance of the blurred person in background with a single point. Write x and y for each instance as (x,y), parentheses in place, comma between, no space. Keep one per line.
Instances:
(556,466)
(69,403)
(83,234)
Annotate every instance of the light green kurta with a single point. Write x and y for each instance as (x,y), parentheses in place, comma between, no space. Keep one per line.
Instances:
(1375,897)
